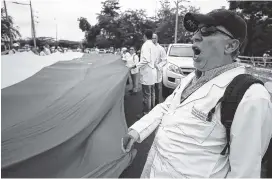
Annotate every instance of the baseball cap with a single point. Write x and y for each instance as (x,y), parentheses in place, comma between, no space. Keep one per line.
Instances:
(219,17)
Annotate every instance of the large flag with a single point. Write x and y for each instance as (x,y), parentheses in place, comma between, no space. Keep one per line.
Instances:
(66,121)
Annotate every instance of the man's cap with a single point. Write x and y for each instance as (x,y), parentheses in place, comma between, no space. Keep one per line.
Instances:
(219,17)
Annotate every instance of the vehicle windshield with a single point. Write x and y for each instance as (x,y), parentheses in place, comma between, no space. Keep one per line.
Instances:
(181,51)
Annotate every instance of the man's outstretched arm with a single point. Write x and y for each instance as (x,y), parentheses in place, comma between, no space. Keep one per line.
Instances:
(147,124)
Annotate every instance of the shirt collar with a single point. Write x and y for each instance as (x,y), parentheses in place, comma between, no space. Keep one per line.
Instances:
(219,70)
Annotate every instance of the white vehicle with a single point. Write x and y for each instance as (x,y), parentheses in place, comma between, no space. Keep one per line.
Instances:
(102,51)
(179,64)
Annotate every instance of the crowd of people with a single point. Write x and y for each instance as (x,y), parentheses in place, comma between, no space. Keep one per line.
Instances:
(47,50)
(41,50)
(218,121)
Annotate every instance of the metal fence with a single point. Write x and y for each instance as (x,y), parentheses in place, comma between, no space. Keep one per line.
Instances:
(265,62)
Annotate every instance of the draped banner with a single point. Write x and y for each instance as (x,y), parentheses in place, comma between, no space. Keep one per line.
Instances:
(67,120)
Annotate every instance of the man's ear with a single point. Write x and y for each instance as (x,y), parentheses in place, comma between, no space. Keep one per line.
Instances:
(232,46)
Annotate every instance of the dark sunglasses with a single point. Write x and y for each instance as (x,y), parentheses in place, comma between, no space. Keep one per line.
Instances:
(209,30)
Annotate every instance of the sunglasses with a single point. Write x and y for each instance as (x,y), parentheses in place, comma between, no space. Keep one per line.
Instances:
(209,30)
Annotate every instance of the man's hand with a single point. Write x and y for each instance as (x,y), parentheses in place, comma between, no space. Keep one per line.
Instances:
(129,140)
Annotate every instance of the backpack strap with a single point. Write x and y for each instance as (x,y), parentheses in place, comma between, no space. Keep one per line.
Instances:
(231,99)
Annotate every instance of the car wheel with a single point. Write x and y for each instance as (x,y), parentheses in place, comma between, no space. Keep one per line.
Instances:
(166,91)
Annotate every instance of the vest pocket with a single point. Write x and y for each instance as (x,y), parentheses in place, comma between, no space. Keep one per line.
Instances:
(196,126)
(199,115)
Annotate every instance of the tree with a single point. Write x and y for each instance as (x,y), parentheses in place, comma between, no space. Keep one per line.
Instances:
(84,25)
(41,41)
(107,19)
(90,35)
(102,41)
(7,23)
(119,29)
(132,24)
(116,28)
(166,23)
(258,16)
(68,44)
(24,42)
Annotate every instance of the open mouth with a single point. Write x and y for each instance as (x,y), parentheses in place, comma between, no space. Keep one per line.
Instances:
(197,52)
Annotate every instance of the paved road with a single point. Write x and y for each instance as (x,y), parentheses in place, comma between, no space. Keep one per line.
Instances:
(133,107)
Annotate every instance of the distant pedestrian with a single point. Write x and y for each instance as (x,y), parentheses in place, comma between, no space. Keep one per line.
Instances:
(15,48)
(42,53)
(60,49)
(148,72)
(117,52)
(125,54)
(46,50)
(160,63)
(131,63)
(52,49)
(35,50)
(265,57)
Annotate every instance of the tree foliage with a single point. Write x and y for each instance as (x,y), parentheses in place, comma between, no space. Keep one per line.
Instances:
(167,20)
(258,16)
(118,29)
(7,23)
(84,25)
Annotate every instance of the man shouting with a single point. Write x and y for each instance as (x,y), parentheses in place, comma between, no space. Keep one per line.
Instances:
(191,140)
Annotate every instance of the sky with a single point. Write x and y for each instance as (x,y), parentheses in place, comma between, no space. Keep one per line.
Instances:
(59,17)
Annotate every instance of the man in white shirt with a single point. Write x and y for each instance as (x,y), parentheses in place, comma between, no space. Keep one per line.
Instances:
(131,63)
(190,138)
(148,72)
(160,62)
(46,50)
(125,56)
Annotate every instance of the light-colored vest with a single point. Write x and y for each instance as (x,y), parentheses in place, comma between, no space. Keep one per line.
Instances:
(190,143)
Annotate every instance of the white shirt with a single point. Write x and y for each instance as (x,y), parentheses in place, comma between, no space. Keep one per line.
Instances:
(160,61)
(265,55)
(187,146)
(148,72)
(126,56)
(12,52)
(131,63)
(47,51)
(42,53)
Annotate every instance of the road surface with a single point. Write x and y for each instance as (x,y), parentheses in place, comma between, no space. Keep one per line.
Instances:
(133,107)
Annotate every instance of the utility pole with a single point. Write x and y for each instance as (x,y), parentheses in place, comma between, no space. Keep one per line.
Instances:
(176,26)
(33,25)
(56,32)
(9,32)
(156,10)
(56,29)
(33,31)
